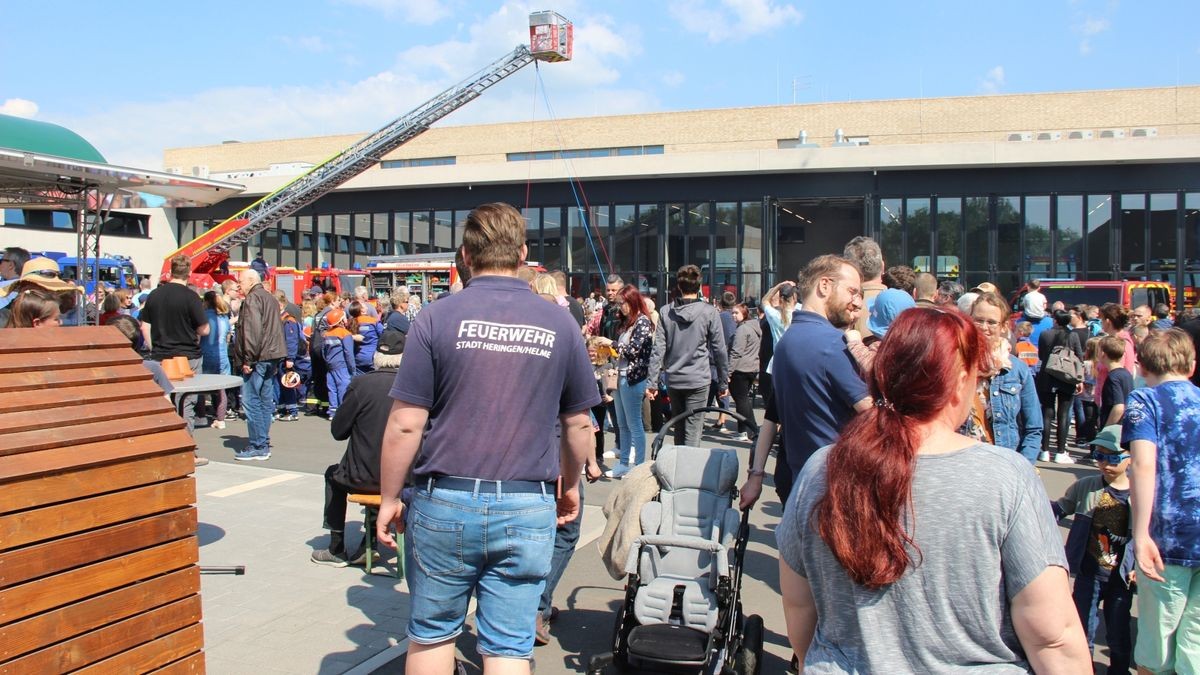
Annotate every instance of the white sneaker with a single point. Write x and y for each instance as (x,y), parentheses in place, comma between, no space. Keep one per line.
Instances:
(742,437)
(1063,458)
(609,454)
(218,424)
(1043,456)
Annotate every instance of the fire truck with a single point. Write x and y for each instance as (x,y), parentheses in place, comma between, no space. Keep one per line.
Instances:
(551,39)
(427,275)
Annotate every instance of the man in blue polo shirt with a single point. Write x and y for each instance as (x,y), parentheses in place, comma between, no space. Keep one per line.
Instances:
(817,387)
(487,373)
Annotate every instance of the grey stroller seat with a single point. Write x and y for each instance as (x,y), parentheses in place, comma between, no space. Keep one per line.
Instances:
(682,559)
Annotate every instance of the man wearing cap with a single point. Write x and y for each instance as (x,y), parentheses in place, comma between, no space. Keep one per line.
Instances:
(173,321)
(487,373)
(260,344)
(361,418)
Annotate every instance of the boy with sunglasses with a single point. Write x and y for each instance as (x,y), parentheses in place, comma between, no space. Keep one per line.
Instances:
(1096,546)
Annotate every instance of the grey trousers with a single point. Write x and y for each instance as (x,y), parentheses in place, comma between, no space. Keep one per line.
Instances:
(689,431)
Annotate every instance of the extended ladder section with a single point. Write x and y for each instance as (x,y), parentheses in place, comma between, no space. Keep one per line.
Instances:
(208,250)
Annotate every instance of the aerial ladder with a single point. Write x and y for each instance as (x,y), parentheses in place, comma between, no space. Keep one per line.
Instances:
(550,39)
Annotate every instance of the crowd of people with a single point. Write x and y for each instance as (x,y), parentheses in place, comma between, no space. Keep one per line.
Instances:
(906,415)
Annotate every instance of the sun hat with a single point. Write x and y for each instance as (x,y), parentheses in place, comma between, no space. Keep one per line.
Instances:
(42,272)
(1109,438)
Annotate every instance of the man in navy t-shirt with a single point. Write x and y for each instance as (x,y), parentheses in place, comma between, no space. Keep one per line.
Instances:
(487,374)
(817,387)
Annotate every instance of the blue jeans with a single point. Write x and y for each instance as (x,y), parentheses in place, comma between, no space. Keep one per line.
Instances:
(1093,590)
(565,538)
(497,546)
(258,401)
(629,421)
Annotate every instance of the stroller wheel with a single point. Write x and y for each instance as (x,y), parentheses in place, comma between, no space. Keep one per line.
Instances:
(748,659)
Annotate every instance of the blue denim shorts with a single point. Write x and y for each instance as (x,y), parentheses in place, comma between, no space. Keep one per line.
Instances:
(498,546)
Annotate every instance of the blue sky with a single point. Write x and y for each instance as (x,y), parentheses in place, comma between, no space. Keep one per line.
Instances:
(138,77)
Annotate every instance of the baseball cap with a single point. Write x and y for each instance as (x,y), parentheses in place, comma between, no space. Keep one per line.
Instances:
(888,305)
(391,342)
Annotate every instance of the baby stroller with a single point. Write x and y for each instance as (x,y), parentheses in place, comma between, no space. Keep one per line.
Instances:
(682,610)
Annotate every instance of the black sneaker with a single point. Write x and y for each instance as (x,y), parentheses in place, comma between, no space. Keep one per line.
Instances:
(328,558)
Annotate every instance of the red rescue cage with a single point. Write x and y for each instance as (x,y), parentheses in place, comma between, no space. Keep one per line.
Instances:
(551,37)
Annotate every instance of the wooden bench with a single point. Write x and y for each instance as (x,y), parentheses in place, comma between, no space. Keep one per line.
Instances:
(98,548)
(370,504)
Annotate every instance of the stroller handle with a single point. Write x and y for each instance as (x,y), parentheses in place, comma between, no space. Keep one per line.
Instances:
(662,434)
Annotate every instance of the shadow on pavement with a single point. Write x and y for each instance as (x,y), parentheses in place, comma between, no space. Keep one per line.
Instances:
(208,533)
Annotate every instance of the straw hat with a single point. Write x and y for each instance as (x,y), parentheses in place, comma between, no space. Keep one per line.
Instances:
(42,272)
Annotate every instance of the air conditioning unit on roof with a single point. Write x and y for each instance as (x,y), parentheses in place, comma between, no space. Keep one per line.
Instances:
(1112,133)
(1145,132)
(1049,136)
(1021,136)
(1085,135)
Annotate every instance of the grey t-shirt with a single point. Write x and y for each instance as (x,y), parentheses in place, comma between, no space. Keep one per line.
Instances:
(984,529)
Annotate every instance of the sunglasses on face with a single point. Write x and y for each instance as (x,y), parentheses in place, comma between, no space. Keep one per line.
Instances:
(46,273)
(1109,457)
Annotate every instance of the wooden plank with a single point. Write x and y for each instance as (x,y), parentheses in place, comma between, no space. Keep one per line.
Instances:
(91,432)
(165,651)
(46,593)
(62,415)
(24,564)
(189,665)
(31,381)
(41,399)
(112,639)
(70,358)
(73,337)
(47,628)
(21,466)
(25,527)
(73,484)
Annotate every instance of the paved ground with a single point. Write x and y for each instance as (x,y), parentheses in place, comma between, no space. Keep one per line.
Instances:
(287,615)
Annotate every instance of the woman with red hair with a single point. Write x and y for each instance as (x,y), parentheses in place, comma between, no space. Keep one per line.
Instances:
(907,547)
(635,342)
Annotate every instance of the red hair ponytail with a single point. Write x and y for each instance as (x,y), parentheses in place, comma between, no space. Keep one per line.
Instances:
(865,516)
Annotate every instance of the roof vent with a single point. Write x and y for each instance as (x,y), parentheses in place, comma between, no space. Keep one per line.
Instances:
(1021,136)
(1145,132)
(1085,135)
(1112,133)
(1050,136)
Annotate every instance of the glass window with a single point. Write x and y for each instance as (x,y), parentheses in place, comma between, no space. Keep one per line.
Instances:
(752,242)
(891,229)
(381,232)
(1008,242)
(421,228)
(402,241)
(361,245)
(533,234)
(40,218)
(288,241)
(324,240)
(1164,210)
(1037,237)
(916,218)
(552,221)
(649,279)
(976,242)
(601,237)
(949,238)
(676,256)
(725,246)
(1099,229)
(1068,237)
(443,232)
(1133,236)
(579,251)
(699,224)
(1191,231)
(342,232)
(624,239)
(127,224)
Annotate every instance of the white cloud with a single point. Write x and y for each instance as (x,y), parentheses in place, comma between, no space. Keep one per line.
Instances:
(673,78)
(423,12)
(734,20)
(136,133)
(993,81)
(19,107)
(1089,27)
